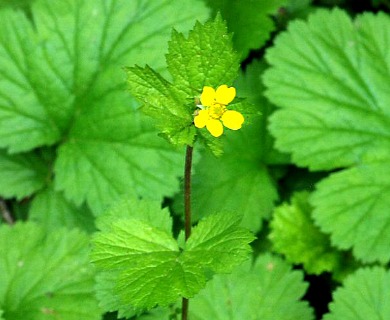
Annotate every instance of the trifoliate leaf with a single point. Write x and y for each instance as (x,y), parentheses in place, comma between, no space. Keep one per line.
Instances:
(52,210)
(268,290)
(45,275)
(363,296)
(332,88)
(141,264)
(294,235)
(21,175)
(204,58)
(249,20)
(335,113)
(353,205)
(62,83)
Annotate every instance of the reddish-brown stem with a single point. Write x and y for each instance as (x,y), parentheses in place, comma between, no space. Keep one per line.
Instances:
(187,215)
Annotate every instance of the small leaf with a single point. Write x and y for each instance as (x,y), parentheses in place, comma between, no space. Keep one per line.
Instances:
(295,235)
(268,290)
(362,296)
(45,275)
(21,175)
(205,58)
(164,102)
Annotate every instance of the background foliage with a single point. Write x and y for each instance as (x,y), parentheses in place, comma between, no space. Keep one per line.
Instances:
(308,173)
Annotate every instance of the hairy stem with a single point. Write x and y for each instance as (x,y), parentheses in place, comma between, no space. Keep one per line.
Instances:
(5,213)
(187,214)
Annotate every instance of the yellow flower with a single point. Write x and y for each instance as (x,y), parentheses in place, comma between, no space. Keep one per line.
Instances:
(213,110)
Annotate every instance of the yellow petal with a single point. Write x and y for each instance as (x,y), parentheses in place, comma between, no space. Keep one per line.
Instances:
(207,97)
(215,127)
(201,119)
(225,95)
(232,119)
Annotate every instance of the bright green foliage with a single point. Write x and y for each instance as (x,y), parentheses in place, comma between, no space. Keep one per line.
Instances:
(268,290)
(21,175)
(294,235)
(141,264)
(204,58)
(51,209)
(122,155)
(353,205)
(62,83)
(45,275)
(332,87)
(164,102)
(148,211)
(364,295)
(249,20)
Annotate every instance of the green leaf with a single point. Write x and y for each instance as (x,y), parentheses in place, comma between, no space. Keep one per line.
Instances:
(362,296)
(52,210)
(267,290)
(294,235)
(34,104)
(21,175)
(219,243)
(141,264)
(332,89)
(335,114)
(45,275)
(353,205)
(205,58)
(145,210)
(236,181)
(62,83)
(164,102)
(249,20)
(121,156)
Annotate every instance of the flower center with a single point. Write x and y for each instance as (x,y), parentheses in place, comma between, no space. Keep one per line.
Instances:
(216,110)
